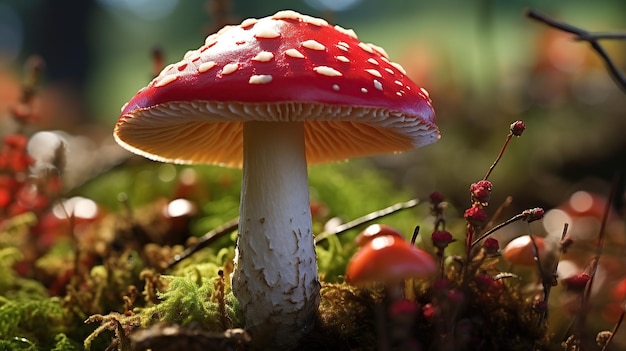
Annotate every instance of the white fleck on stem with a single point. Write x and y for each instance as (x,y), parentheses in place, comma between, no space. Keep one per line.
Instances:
(275,277)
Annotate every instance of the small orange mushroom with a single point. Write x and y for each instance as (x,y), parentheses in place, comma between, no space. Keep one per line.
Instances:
(521,251)
(388,260)
(374,231)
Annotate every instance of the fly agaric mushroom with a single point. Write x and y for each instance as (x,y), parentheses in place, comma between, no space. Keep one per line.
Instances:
(388,260)
(271,95)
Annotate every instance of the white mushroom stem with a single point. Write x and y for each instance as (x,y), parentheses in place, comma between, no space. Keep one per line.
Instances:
(275,277)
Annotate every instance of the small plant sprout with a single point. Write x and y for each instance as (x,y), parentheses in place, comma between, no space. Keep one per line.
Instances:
(441,239)
(437,209)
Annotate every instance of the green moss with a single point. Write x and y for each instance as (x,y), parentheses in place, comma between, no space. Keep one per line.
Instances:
(35,320)
(13,286)
(64,343)
(202,301)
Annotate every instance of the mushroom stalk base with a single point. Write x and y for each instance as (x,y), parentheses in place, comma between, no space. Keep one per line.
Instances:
(275,277)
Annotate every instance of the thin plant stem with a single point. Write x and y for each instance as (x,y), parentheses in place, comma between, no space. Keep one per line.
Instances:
(536,253)
(548,282)
(506,143)
(205,241)
(614,331)
(416,232)
(515,218)
(599,247)
(601,36)
(210,237)
(499,210)
(367,219)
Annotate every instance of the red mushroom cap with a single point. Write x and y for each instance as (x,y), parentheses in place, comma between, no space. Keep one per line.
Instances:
(521,251)
(374,231)
(286,67)
(387,259)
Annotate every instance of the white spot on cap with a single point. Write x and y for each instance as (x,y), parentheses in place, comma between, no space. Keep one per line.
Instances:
(425,92)
(267,33)
(260,79)
(374,72)
(363,90)
(398,67)
(195,56)
(378,85)
(314,20)
(398,82)
(287,14)
(224,29)
(188,54)
(327,71)
(348,32)
(294,53)
(313,45)
(167,68)
(341,47)
(205,66)
(248,22)
(230,68)
(343,59)
(210,40)
(379,50)
(372,61)
(399,93)
(389,70)
(263,56)
(366,48)
(167,79)
(335,87)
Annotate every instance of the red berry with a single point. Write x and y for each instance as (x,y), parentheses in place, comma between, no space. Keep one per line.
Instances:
(517,128)
(475,215)
(441,239)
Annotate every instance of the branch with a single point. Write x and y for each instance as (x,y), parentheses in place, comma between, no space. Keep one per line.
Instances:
(366,219)
(592,39)
(206,240)
(210,237)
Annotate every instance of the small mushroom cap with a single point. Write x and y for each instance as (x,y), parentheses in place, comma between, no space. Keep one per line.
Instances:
(374,231)
(285,67)
(388,259)
(520,251)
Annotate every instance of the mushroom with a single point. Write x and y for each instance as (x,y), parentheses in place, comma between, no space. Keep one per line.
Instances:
(388,260)
(374,231)
(272,95)
(521,250)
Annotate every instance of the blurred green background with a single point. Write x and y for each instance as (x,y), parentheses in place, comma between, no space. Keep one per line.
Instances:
(483,62)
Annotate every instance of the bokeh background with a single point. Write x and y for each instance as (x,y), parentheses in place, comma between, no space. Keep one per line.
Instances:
(484,63)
